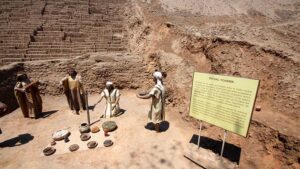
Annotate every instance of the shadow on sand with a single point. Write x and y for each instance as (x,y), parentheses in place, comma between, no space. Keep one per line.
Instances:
(95,122)
(231,152)
(163,126)
(92,107)
(48,113)
(122,111)
(17,141)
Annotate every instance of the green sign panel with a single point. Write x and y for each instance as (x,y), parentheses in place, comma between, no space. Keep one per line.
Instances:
(223,101)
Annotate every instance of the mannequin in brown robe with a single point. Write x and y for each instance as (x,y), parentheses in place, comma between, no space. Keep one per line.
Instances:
(73,89)
(28,96)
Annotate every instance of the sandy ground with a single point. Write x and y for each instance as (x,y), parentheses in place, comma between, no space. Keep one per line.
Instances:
(135,146)
(226,7)
(272,24)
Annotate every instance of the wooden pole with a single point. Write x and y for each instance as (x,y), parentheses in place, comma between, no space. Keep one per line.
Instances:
(87,108)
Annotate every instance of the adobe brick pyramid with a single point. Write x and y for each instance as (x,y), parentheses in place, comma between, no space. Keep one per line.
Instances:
(51,29)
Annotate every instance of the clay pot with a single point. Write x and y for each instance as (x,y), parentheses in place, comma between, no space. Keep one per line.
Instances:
(84,128)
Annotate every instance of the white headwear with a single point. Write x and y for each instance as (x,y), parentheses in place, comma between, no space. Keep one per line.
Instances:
(157,75)
(109,83)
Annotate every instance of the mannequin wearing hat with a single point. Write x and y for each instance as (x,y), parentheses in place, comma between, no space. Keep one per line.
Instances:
(157,94)
(28,96)
(112,96)
(74,91)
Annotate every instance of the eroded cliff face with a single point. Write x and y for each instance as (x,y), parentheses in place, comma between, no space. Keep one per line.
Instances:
(178,51)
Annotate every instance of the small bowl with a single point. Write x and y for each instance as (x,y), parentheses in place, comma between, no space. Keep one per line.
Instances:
(60,135)
(108,143)
(73,147)
(49,151)
(95,129)
(85,137)
(92,144)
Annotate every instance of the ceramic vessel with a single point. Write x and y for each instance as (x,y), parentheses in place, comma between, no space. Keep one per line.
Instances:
(60,135)
(73,147)
(49,151)
(92,144)
(85,137)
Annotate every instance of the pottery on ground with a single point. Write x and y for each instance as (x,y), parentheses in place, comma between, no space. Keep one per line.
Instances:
(61,135)
(84,128)
(109,126)
(85,137)
(108,143)
(73,147)
(92,144)
(49,151)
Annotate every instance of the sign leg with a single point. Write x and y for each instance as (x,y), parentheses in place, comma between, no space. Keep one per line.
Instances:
(200,128)
(223,144)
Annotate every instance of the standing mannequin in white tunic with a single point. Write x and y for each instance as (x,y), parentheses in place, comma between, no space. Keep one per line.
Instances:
(112,96)
(157,93)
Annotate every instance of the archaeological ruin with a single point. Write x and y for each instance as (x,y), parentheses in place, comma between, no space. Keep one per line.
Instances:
(125,42)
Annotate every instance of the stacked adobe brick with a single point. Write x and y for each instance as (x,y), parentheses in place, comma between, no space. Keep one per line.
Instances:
(39,30)
(18,21)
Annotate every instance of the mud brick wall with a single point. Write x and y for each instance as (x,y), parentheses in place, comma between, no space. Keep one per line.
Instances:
(95,70)
(7,82)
